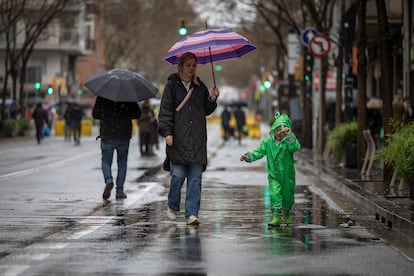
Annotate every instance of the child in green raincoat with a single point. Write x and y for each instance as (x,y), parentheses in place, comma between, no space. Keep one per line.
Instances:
(278,147)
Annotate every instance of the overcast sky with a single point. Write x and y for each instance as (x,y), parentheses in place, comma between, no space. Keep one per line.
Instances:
(216,14)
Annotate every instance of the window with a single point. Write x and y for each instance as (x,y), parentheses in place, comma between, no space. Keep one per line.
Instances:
(33,74)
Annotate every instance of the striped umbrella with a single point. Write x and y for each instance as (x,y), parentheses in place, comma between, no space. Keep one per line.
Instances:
(211,45)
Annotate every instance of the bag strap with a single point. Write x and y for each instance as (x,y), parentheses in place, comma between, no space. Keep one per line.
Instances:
(185,100)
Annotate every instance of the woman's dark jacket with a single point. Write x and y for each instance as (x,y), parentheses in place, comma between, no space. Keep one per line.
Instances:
(187,126)
(115,118)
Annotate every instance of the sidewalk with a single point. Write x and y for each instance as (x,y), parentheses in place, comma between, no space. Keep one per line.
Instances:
(396,212)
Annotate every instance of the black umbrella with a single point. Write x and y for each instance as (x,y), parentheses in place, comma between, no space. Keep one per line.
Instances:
(121,86)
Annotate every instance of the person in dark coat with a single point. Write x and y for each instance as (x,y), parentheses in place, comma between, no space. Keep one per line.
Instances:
(240,122)
(146,124)
(185,104)
(75,115)
(225,122)
(68,126)
(39,117)
(115,133)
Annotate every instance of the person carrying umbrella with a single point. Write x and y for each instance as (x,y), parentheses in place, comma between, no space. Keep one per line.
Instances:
(115,133)
(118,92)
(185,104)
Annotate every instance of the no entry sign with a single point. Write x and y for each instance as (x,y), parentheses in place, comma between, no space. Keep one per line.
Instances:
(320,45)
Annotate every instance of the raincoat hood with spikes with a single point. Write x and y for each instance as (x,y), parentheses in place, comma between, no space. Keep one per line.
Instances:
(280,164)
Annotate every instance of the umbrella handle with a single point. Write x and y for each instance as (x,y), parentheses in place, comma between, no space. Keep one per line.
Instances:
(212,68)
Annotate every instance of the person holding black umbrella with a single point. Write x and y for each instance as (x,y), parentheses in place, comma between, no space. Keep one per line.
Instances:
(115,133)
(185,104)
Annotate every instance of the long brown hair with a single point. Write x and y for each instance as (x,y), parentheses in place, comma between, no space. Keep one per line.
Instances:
(183,58)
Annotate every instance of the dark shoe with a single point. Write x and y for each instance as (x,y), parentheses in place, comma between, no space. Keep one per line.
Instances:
(120,195)
(107,191)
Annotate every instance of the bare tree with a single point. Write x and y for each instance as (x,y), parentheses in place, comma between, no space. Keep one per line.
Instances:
(9,15)
(36,17)
(27,20)
(138,34)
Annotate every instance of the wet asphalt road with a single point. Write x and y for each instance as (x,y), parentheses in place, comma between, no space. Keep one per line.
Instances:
(53,221)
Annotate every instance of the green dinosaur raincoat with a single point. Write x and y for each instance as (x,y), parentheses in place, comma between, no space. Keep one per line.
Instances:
(280,164)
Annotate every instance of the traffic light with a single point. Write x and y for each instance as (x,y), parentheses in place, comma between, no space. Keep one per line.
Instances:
(182,29)
(50,89)
(267,84)
(37,86)
(308,67)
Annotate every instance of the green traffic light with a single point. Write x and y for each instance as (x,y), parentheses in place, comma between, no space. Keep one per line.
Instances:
(307,78)
(262,87)
(50,90)
(37,85)
(182,31)
(267,84)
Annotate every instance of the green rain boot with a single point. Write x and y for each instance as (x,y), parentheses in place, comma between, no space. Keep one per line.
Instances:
(276,220)
(286,217)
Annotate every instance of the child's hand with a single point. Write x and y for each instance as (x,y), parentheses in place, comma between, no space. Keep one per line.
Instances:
(243,158)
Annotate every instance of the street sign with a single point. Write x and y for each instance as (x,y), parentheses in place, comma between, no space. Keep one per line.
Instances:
(320,45)
(306,35)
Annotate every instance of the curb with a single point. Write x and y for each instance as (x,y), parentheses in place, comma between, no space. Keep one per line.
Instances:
(374,204)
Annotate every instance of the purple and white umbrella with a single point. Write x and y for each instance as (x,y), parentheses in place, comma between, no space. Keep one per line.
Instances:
(211,45)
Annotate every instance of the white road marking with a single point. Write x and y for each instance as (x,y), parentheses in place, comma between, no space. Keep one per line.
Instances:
(14,270)
(56,164)
(88,226)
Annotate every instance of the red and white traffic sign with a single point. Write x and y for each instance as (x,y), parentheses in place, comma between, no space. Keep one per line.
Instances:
(320,45)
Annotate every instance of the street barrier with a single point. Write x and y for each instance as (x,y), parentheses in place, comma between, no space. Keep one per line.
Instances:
(253,127)
(86,127)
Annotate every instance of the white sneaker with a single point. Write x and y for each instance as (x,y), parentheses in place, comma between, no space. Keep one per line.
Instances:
(193,220)
(171,214)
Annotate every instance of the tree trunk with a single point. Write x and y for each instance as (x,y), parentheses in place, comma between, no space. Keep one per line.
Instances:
(362,81)
(386,78)
(339,71)
(324,73)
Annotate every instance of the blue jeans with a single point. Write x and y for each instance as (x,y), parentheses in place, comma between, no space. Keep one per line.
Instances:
(193,173)
(108,146)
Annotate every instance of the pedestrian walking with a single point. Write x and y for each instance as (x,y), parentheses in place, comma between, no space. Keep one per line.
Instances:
(68,125)
(225,123)
(75,115)
(185,104)
(115,133)
(147,124)
(278,148)
(39,117)
(240,122)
